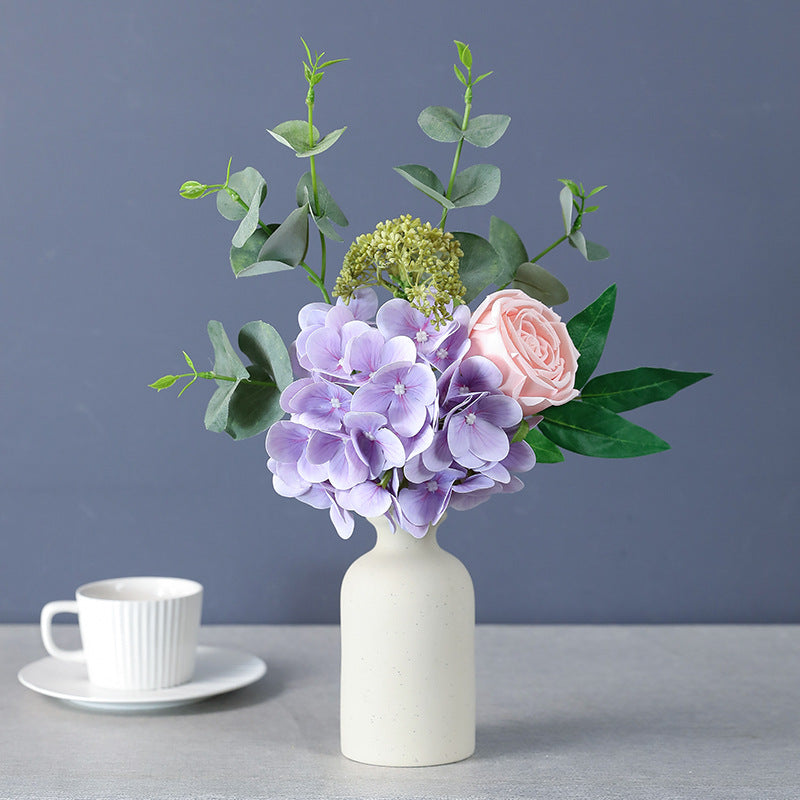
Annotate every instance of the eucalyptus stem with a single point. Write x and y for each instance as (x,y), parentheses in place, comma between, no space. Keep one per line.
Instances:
(555,244)
(456,159)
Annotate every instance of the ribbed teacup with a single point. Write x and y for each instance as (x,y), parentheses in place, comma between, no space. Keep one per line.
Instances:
(137,633)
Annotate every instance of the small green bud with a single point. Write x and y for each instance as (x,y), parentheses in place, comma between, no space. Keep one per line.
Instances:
(192,190)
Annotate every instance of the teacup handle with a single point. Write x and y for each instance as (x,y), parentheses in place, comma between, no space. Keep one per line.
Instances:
(48,612)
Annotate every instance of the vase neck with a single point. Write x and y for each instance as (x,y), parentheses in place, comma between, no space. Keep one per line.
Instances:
(400,540)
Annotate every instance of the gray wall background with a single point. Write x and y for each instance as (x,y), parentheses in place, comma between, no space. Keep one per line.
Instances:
(688,110)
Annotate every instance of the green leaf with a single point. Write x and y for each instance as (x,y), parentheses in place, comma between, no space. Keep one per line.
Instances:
(323,144)
(476,186)
(426,181)
(522,431)
(250,221)
(226,361)
(595,252)
(485,130)
(577,240)
(596,190)
(263,345)
(537,282)
(247,255)
(588,330)
(571,185)
(622,391)
(481,77)
(244,183)
(546,452)
(464,54)
(163,383)
(459,75)
(216,417)
(509,248)
(285,249)
(294,134)
(440,123)
(252,408)
(327,205)
(592,430)
(479,266)
(565,198)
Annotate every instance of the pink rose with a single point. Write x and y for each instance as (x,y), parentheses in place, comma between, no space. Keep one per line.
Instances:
(530,345)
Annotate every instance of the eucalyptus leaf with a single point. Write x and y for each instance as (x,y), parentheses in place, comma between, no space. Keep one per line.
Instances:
(578,241)
(226,361)
(595,252)
(440,123)
(264,267)
(565,198)
(622,391)
(252,407)
(546,451)
(323,144)
(426,181)
(244,183)
(592,430)
(509,248)
(247,255)
(294,134)
(476,186)
(327,205)
(216,417)
(537,282)
(323,224)
(486,129)
(249,223)
(288,243)
(263,345)
(479,266)
(588,330)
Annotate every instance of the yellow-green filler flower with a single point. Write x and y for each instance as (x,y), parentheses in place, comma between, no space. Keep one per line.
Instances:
(412,259)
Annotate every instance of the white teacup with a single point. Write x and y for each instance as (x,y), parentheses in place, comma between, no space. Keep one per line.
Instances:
(137,633)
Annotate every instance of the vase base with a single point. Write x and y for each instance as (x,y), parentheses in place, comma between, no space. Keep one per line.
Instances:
(408,760)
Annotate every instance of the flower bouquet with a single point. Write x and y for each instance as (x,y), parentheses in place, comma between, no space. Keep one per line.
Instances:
(400,410)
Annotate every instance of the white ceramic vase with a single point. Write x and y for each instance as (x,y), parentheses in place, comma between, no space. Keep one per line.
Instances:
(408,654)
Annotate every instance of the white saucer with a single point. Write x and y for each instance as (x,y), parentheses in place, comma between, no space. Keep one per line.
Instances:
(218,670)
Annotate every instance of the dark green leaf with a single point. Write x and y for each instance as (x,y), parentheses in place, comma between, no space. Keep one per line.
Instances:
(294,134)
(286,248)
(226,361)
(588,330)
(509,248)
(592,430)
(244,183)
(263,345)
(252,408)
(442,124)
(622,391)
(476,186)
(546,452)
(537,282)
(478,267)
(247,255)
(485,130)
(426,181)
(216,418)
(595,252)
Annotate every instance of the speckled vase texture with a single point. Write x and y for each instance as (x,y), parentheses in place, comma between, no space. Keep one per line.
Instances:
(408,654)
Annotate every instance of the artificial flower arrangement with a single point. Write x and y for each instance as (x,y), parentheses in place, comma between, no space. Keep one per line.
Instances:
(418,405)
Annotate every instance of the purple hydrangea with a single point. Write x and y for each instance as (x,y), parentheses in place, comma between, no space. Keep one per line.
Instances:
(389,418)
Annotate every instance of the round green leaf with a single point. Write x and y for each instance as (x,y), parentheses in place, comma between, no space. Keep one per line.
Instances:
(323,144)
(294,135)
(442,124)
(486,129)
(478,268)
(426,181)
(245,256)
(509,247)
(289,242)
(263,345)
(226,361)
(476,186)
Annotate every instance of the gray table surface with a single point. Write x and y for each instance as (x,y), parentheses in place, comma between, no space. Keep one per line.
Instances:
(596,712)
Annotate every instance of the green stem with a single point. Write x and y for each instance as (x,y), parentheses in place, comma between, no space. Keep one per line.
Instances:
(213,376)
(235,195)
(555,244)
(317,281)
(456,159)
